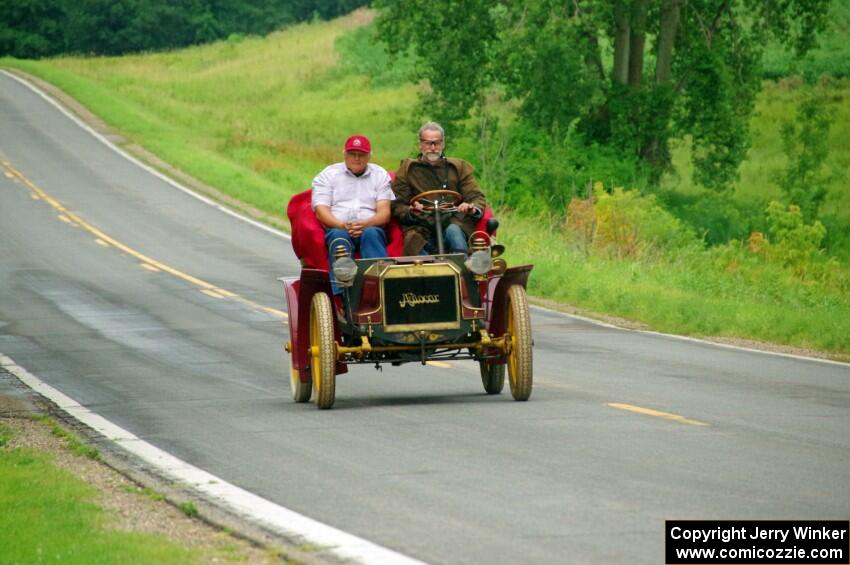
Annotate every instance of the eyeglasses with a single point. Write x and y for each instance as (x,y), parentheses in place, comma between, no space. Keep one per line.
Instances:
(429,143)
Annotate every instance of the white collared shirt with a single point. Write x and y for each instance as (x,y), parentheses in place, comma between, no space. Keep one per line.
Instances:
(350,197)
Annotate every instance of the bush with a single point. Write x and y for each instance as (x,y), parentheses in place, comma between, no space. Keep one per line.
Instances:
(790,249)
(716,218)
(625,224)
(837,241)
(795,244)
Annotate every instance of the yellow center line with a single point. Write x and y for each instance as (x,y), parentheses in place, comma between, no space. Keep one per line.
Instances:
(656,413)
(440,364)
(70,217)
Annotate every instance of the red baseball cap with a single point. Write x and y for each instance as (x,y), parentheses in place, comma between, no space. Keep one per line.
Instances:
(358,143)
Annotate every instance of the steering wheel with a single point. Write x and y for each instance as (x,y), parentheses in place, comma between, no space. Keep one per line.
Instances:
(428,198)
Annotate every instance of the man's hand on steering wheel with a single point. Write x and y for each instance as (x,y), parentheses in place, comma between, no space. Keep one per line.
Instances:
(466,208)
(424,204)
(446,200)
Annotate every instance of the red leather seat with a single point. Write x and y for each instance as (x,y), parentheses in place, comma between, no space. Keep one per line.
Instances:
(308,234)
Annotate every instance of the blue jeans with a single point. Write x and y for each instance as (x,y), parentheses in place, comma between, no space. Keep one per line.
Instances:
(454,240)
(372,244)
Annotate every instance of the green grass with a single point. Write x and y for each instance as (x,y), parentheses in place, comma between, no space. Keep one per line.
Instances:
(74,444)
(258,118)
(777,105)
(51,516)
(5,435)
(684,293)
(189,509)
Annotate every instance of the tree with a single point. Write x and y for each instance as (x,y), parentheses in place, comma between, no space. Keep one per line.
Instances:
(452,41)
(40,28)
(630,74)
(806,144)
(31,28)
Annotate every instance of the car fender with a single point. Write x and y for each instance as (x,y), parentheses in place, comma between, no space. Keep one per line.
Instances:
(299,295)
(498,295)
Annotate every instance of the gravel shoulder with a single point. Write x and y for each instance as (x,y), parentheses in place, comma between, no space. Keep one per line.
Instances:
(133,499)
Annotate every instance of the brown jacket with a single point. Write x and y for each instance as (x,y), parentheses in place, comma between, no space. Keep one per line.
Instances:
(415,176)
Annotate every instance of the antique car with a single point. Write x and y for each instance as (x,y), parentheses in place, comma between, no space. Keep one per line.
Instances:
(396,310)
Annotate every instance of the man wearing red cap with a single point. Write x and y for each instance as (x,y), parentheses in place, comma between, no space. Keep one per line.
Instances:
(352,200)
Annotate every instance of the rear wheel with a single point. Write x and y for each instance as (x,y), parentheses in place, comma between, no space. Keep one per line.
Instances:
(322,350)
(518,331)
(301,391)
(492,377)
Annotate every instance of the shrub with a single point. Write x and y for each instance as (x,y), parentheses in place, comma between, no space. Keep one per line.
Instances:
(625,224)
(806,144)
(795,244)
(716,218)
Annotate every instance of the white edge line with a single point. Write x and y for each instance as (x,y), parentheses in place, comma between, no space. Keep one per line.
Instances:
(141,164)
(688,338)
(244,503)
(279,233)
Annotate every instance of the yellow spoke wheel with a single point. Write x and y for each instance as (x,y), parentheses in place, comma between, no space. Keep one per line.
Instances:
(301,391)
(518,331)
(322,350)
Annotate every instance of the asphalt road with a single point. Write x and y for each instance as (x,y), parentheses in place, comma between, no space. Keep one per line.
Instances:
(103,268)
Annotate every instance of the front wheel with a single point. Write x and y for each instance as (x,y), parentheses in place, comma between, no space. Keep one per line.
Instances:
(322,350)
(518,332)
(492,377)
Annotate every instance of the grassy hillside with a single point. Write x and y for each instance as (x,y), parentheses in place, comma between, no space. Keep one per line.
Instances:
(257,118)
(254,117)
